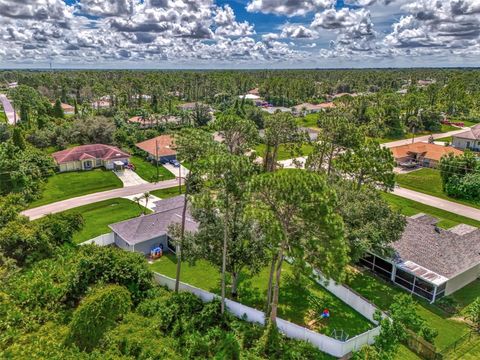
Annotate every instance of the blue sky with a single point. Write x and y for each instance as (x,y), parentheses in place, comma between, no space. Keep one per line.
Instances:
(239,33)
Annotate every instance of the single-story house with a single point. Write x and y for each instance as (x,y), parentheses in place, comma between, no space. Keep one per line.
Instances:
(67,109)
(423,154)
(428,261)
(192,105)
(87,157)
(274,109)
(146,123)
(469,139)
(254,91)
(144,233)
(159,148)
(307,108)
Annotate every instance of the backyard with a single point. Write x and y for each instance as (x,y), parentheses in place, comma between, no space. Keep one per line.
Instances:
(409,207)
(309,120)
(99,215)
(67,185)
(148,171)
(429,181)
(295,297)
(449,326)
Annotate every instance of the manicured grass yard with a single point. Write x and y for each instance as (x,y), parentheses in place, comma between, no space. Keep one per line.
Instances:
(381,294)
(283,152)
(99,215)
(409,207)
(309,120)
(67,185)
(148,171)
(294,297)
(168,192)
(429,181)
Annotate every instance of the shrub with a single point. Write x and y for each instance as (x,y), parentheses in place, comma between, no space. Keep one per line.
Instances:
(97,313)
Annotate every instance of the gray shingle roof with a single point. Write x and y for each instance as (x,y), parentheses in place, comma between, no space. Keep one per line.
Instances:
(147,227)
(473,133)
(442,252)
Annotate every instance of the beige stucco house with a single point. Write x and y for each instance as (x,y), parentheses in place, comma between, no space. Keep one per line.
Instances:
(87,157)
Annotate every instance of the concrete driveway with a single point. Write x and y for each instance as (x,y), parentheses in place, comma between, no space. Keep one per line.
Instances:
(151,200)
(130,177)
(175,171)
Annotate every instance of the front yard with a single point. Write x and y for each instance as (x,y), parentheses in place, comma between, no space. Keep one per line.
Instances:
(283,152)
(99,215)
(295,297)
(409,207)
(68,185)
(429,181)
(148,171)
(168,192)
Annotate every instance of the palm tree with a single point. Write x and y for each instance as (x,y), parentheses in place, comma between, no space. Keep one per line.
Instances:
(146,196)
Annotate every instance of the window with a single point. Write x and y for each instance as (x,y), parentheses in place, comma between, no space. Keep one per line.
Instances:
(99,162)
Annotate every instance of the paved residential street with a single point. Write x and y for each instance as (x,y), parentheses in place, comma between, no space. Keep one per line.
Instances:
(423,138)
(60,206)
(446,205)
(8,108)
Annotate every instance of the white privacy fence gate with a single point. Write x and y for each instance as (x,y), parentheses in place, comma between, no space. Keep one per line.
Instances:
(325,343)
(102,240)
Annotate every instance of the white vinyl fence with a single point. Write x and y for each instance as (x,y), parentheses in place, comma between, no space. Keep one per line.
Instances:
(349,297)
(102,240)
(325,343)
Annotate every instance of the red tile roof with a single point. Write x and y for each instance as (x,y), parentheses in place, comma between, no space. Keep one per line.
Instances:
(92,151)
(428,151)
(162,145)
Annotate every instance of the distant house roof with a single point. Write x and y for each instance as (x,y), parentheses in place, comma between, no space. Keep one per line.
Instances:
(426,150)
(314,107)
(274,109)
(191,106)
(144,228)
(249,97)
(92,151)
(66,107)
(254,91)
(437,254)
(162,145)
(472,134)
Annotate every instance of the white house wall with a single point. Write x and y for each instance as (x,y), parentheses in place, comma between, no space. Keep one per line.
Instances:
(463,279)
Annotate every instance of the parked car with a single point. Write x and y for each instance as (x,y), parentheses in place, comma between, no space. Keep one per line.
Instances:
(175,163)
(164,161)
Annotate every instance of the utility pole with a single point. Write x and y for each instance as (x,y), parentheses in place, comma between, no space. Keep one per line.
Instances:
(179,176)
(156,157)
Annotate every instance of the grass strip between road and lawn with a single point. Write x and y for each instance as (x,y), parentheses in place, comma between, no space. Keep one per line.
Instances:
(409,207)
(99,215)
(295,296)
(168,192)
(148,171)
(62,186)
(429,181)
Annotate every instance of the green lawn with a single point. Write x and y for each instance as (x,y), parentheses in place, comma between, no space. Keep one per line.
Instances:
(168,192)
(448,139)
(468,350)
(309,120)
(3,117)
(294,297)
(283,152)
(67,185)
(148,171)
(99,215)
(381,294)
(429,181)
(447,128)
(409,207)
